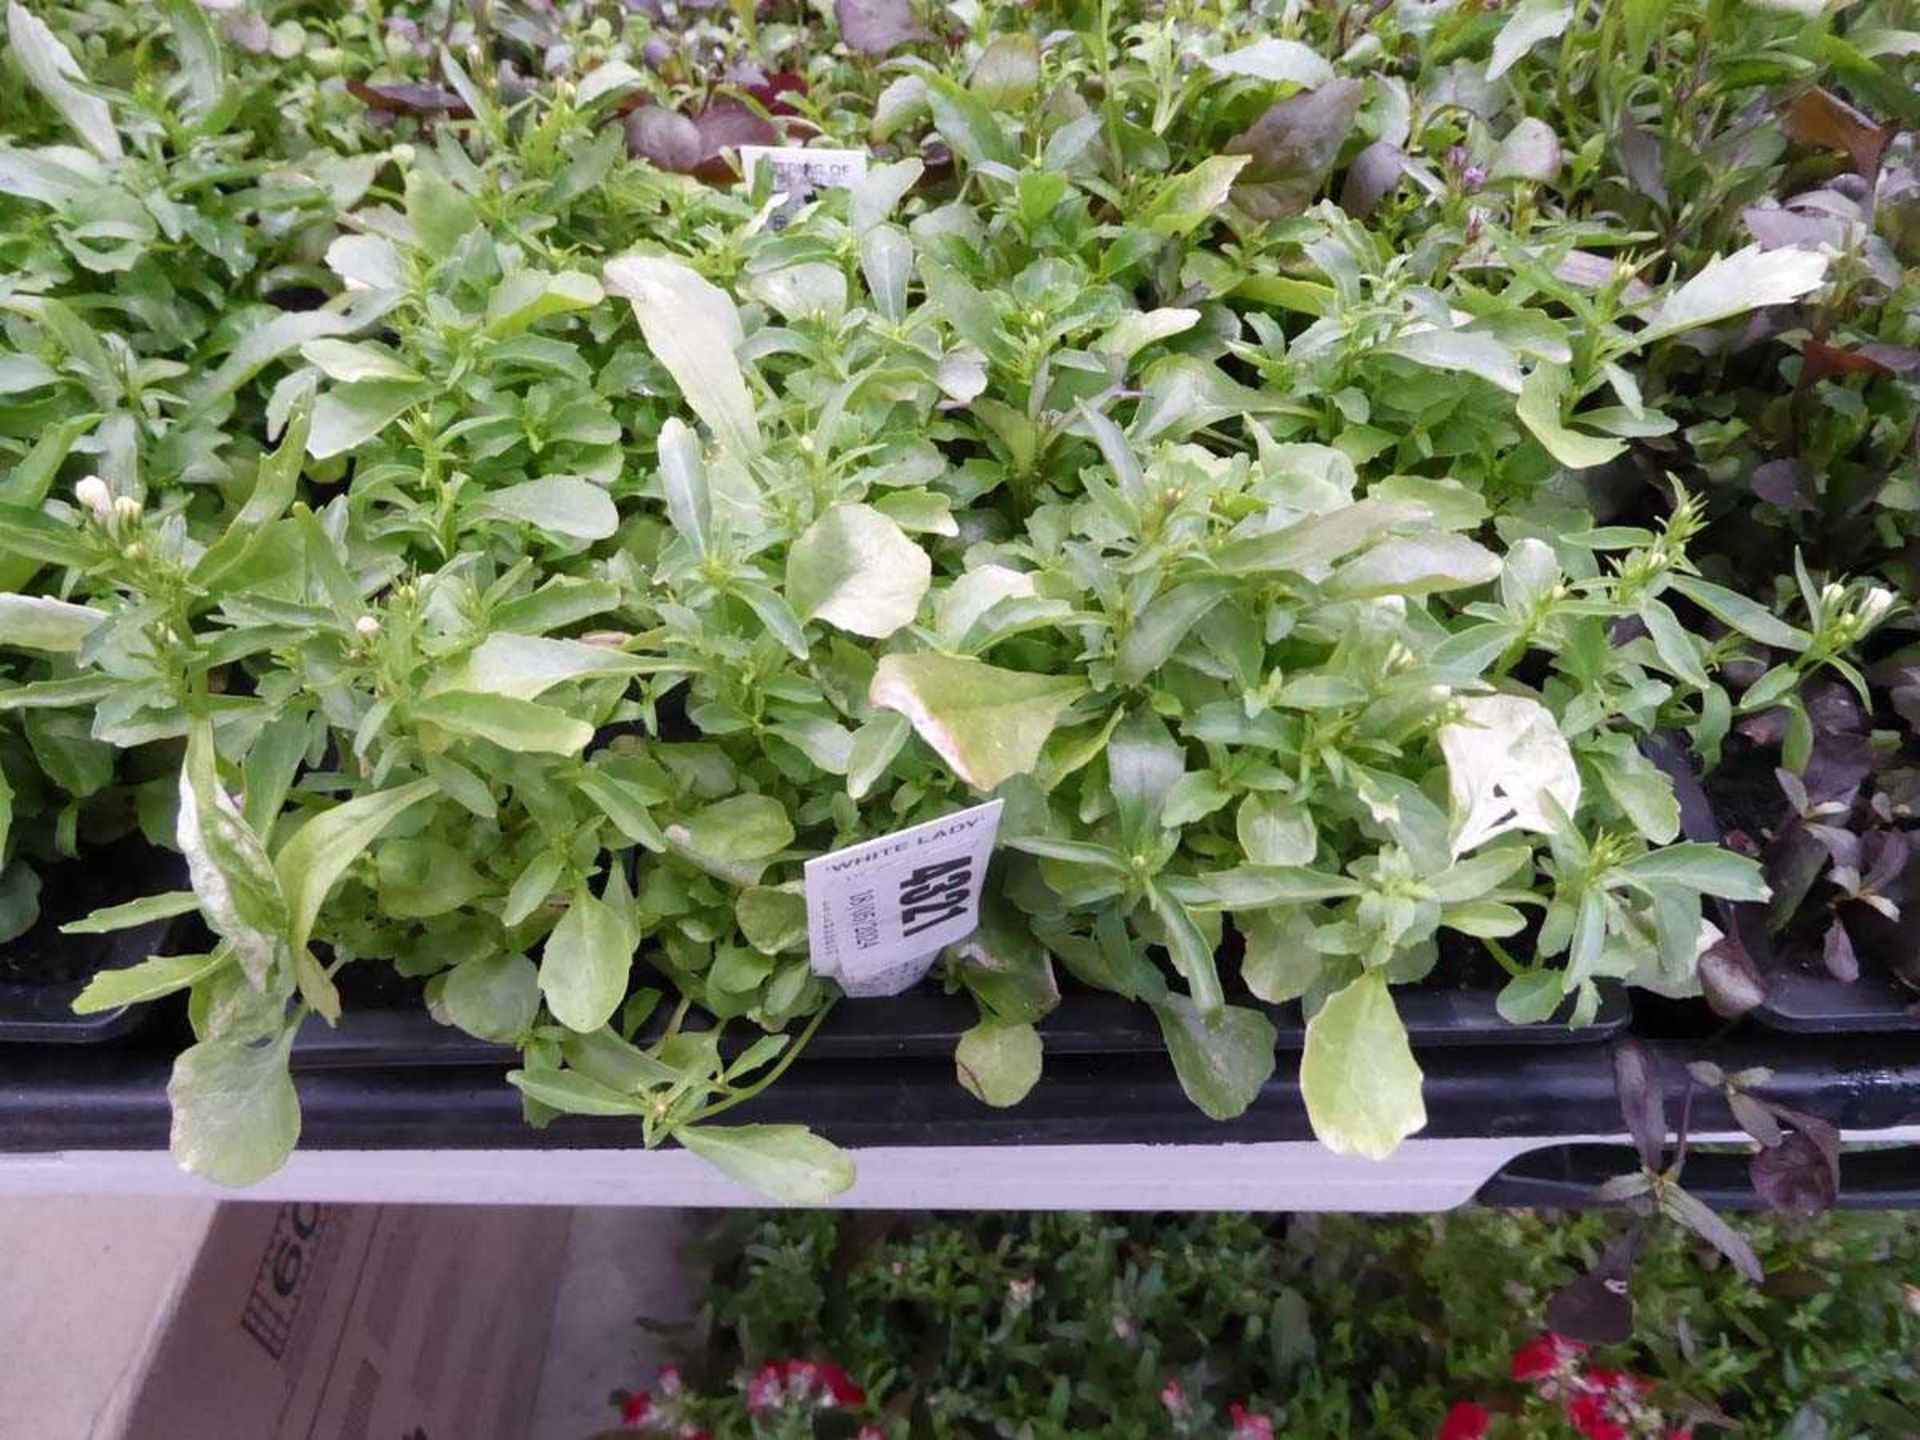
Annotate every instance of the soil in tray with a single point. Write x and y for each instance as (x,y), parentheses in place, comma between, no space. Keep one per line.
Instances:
(109,875)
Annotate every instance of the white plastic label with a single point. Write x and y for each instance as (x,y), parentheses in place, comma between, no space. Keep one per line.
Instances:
(799,173)
(880,912)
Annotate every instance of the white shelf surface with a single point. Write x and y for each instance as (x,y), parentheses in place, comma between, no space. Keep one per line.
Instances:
(1423,1175)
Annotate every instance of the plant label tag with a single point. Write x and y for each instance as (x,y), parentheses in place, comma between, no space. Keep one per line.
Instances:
(800,173)
(880,912)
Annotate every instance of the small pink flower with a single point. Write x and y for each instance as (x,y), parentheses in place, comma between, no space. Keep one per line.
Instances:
(1173,1395)
(871,1432)
(1465,1421)
(1547,1355)
(1249,1424)
(765,1390)
(669,1380)
(635,1409)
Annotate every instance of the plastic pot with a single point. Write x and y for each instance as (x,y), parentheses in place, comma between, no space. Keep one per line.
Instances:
(43,971)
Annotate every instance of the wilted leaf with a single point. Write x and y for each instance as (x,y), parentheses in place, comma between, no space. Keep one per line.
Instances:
(1819,118)
(1796,1177)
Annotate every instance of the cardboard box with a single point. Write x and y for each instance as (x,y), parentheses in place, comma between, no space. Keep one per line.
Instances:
(351,1322)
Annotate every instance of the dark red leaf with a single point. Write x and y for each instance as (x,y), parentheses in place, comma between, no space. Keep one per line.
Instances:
(1819,360)
(1794,1177)
(1376,172)
(1597,1309)
(879,27)
(1821,119)
(1785,483)
(1294,146)
(727,125)
(1643,1100)
(664,138)
(409,99)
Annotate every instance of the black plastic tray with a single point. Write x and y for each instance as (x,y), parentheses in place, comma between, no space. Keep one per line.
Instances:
(42,1014)
(1565,1177)
(114,1098)
(925,1024)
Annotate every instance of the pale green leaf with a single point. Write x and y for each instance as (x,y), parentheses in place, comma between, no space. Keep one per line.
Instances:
(985,722)
(51,68)
(1357,1073)
(236,1116)
(563,505)
(999,1063)
(317,856)
(39,622)
(856,569)
(1730,285)
(149,980)
(1222,1060)
(788,1162)
(694,330)
(584,968)
(519,725)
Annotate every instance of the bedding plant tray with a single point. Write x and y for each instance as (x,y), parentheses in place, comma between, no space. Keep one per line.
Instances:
(498,534)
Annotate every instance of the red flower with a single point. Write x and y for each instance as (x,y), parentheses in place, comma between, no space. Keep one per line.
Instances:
(635,1409)
(1249,1425)
(842,1390)
(1465,1421)
(1547,1355)
(1617,1382)
(1173,1395)
(1591,1418)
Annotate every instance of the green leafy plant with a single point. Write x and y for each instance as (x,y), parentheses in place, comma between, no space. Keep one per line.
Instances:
(498,548)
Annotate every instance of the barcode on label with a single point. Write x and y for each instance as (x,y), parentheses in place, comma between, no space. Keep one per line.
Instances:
(878,913)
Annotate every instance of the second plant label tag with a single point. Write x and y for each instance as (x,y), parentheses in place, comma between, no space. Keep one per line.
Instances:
(878,913)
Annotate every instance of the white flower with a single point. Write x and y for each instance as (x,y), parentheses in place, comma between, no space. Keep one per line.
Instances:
(94,497)
(1874,606)
(366,627)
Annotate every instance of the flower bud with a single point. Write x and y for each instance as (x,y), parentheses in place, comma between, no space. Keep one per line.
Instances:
(366,627)
(1875,605)
(126,512)
(94,497)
